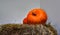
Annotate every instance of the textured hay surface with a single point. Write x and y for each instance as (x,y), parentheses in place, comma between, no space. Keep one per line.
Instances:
(24,29)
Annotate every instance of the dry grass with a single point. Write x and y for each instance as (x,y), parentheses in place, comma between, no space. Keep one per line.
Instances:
(24,29)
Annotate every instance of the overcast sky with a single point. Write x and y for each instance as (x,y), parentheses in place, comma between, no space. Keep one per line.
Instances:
(13,11)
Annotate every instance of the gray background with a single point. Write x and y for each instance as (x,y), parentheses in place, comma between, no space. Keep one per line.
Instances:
(13,11)
(52,8)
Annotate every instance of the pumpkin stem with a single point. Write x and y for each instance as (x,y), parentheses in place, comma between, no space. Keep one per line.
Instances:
(33,14)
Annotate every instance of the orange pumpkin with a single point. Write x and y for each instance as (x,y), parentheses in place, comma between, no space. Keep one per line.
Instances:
(37,16)
(25,21)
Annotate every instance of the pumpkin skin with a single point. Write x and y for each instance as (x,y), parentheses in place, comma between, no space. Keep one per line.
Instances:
(25,21)
(37,16)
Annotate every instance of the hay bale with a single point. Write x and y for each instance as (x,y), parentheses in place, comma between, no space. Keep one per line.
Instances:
(25,29)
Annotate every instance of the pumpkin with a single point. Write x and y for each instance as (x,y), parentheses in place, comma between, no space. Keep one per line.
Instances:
(37,16)
(25,21)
